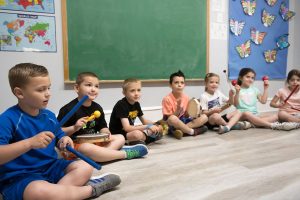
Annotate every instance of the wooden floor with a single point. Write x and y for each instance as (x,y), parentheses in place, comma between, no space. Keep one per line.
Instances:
(251,164)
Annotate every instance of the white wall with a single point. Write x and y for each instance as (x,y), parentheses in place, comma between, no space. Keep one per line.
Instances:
(152,92)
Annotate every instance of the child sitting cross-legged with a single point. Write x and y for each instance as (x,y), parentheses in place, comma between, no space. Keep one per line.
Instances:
(87,83)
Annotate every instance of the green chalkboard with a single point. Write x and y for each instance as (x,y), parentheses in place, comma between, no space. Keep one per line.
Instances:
(146,39)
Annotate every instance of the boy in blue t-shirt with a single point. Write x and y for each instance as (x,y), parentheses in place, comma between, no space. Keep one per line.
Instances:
(29,167)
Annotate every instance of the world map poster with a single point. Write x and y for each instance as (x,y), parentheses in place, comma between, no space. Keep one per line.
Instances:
(23,32)
(42,6)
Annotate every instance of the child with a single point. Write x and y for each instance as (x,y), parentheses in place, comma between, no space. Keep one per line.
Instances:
(289,111)
(126,110)
(246,98)
(174,108)
(87,83)
(214,102)
(29,165)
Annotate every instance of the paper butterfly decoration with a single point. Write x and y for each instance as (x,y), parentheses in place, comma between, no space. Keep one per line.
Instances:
(256,36)
(270,55)
(285,13)
(244,50)
(282,42)
(249,6)
(236,27)
(267,18)
(271,2)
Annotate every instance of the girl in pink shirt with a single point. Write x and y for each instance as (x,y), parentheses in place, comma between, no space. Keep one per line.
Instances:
(289,108)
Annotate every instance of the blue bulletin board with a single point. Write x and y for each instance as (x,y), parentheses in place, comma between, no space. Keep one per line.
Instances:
(266,49)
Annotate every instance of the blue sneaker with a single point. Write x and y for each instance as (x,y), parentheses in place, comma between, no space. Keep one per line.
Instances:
(103,183)
(135,151)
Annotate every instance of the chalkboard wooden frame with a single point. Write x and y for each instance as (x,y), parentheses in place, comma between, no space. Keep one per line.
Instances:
(67,67)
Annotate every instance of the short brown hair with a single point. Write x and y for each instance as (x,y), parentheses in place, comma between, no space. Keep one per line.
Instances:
(82,75)
(126,82)
(20,74)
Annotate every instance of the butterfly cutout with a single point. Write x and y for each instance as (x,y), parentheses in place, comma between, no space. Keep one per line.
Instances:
(285,13)
(256,36)
(249,6)
(282,42)
(271,2)
(236,27)
(267,18)
(244,49)
(270,55)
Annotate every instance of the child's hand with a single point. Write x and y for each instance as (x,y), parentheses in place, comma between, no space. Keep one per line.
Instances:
(280,104)
(41,140)
(237,88)
(154,129)
(215,110)
(63,142)
(80,123)
(231,93)
(266,84)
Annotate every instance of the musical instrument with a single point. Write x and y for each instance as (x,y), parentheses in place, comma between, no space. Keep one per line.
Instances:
(96,114)
(233,82)
(194,108)
(61,123)
(294,90)
(264,79)
(92,138)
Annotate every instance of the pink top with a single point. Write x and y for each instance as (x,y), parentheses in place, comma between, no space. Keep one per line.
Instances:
(293,101)
(169,104)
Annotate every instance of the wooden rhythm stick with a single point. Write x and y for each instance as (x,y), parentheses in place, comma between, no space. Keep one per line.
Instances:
(294,90)
(69,148)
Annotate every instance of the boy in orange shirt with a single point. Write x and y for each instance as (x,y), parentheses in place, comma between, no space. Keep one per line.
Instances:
(174,108)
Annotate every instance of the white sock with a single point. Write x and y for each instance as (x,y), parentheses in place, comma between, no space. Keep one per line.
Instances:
(192,132)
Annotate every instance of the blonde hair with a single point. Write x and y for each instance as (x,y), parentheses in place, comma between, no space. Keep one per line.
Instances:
(126,83)
(20,74)
(208,76)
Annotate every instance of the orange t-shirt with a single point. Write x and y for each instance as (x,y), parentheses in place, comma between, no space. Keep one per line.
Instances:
(169,105)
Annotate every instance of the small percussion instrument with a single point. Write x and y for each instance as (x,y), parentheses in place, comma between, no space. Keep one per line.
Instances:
(194,108)
(95,115)
(92,138)
(294,90)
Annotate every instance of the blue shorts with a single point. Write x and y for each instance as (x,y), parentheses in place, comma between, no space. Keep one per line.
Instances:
(14,188)
(186,119)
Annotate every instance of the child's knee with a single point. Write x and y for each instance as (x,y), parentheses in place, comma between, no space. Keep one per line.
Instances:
(172,120)
(136,135)
(118,138)
(37,190)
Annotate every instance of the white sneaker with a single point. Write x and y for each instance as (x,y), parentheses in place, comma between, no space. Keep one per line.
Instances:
(286,126)
(247,125)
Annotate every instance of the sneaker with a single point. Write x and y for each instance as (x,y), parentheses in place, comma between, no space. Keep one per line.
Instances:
(238,126)
(286,126)
(136,151)
(248,125)
(103,183)
(155,136)
(223,129)
(242,125)
(200,130)
(178,134)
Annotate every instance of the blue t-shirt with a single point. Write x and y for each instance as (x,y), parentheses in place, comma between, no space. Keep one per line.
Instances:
(248,100)
(17,125)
